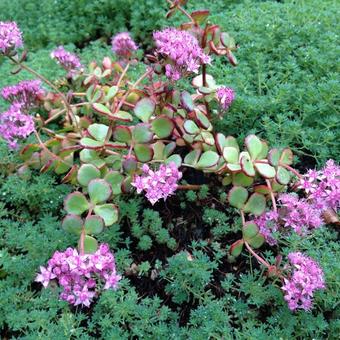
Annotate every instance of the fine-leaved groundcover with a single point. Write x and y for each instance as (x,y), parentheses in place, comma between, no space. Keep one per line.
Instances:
(170,227)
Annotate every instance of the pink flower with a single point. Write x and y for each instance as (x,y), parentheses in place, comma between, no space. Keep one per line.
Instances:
(299,214)
(10,37)
(226,96)
(69,61)
(45,276)
(81,276)
(306,277)
(323,187)
(158,184)
(182,52)
(123,45)
(268,224)
(26,93)
(14,125)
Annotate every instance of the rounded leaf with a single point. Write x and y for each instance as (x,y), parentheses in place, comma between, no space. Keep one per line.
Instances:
(99,190)
(94,225)
(86,173)
(256,204)
(90,143)
(115,178)
(282,175)
(265,170)
(73,224)
(162,127)
(142,133)
(192,157)
(247,164)
(287,156)
(257,241)
(98,131)
(90,244)
(236,248)
(250,230)
(186,101)
(191,127)
(122,133)
(254,146)
(230,154)
(240,179)
(274,157)
(143,152)
(76,203)
(237,197)
(108,212)
(208,159)
(144,109)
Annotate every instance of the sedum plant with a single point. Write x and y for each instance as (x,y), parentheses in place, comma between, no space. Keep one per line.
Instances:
(108,135)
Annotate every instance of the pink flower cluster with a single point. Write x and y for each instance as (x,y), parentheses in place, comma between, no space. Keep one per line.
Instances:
(26,93)
(158,184)
(299,214)
(14,124)
(123,45)
(323,187)
(182,50)
(268,224)
(306,277)
(69,61)
(226,96)
(10,37)
(81,276)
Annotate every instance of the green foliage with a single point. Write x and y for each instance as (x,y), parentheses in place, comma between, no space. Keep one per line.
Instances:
(286,89)
(188,275)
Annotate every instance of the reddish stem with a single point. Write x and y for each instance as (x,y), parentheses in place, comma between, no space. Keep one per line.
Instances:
(271,195)
(189,187)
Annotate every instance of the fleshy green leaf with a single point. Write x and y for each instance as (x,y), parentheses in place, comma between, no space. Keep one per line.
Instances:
(143,152)
(98,131)
(231,154)
(177,159)
(287,156)
(240,179)
(94,225)
(86,173)
(247,164)
(142,133)
(282,175)
(76,203)
(90,143)
(99,190)
(237,197)
(186,101)
(72,224)
(162,127)
(254,146)
(192,157)
(101,108)
(256,204)
(208,159)
(265,170)
(144,109)
(236,248)
(274,157)
(90,245)
(108,212)
(115,178)
(191,127)
(249,230)
(257,241)
(122,133)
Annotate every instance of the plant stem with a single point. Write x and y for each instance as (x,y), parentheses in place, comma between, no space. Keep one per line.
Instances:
(258,258)
(271,195)
(44,147)
(46,81)
(295,172)
(189,187)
